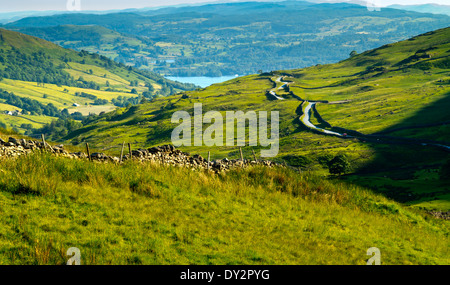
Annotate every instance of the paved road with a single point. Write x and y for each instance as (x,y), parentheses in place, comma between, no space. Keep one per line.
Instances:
(272,92)
(305,120)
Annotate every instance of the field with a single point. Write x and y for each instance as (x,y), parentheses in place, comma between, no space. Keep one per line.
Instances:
(138,214)
(63,97)
(32,68)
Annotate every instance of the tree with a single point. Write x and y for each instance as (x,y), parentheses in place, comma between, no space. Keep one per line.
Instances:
(339,164)
(353,53)
(65,113)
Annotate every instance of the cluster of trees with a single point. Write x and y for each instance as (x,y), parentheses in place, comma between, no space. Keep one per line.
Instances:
(126,101)
(100,102)
(38,67)
(34,107)
(97,101)
(337,165)
(81,83)
(85,95)
(30,106)
(57,129)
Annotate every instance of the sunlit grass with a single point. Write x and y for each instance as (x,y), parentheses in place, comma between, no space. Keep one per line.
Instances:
(138,214)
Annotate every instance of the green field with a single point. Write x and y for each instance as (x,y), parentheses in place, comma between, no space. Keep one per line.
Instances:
(137,213)
(32,68)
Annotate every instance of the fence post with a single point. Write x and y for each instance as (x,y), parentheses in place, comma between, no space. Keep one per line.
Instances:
(209,159)
(88,152)
(129,149)
(43,141)
(121,152)
(242,156)
(46,145)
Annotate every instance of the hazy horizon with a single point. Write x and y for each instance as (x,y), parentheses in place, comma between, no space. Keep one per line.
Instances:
(104,5)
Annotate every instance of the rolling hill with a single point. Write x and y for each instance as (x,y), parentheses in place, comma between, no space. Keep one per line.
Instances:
(127,49)
(391,100)
(425,8)
(35,73)
(233,38)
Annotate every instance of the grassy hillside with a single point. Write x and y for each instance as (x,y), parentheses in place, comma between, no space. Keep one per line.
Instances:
(40,70)
(138,213)
(130,50)
(401,85)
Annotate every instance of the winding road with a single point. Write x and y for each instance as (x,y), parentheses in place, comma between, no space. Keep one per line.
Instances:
(272,92)
(305,119)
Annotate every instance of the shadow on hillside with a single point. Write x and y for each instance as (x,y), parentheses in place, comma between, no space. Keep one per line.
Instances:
(409,172)
(431,116)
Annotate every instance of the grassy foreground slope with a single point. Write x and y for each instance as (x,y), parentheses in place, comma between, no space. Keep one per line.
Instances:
(401,85)
(138,213)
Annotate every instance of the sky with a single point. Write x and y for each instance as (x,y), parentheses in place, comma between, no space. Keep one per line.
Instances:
(61,5)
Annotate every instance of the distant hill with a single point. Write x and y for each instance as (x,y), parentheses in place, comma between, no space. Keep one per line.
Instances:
(127,49)
(233,38)
(426,8)
(45,73)
(20,52)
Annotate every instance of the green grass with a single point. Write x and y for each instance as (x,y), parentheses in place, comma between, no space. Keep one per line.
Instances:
(138,214)
(60,96)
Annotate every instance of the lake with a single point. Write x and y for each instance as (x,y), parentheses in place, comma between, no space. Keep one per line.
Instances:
(202,81)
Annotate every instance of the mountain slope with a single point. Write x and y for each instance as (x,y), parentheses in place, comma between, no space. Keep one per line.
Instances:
(45,73)
(28,52)
(401,88)
(130,50)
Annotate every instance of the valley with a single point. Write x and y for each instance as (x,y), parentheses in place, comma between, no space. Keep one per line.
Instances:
(399,93)
(231,38)
(88,157)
